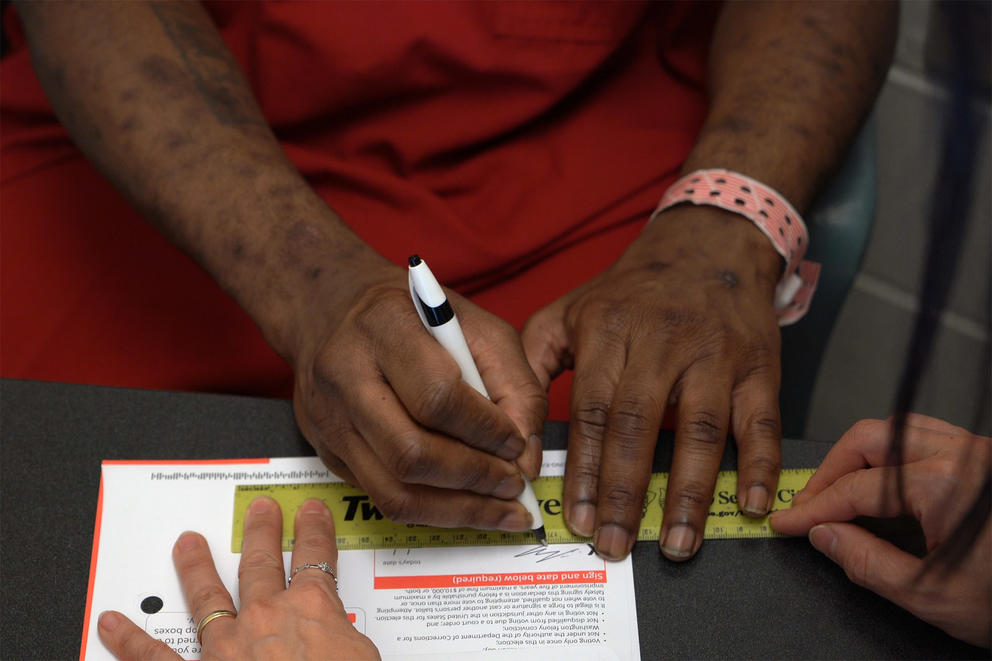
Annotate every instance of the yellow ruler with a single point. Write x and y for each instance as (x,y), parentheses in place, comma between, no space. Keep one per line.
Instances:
(360,525)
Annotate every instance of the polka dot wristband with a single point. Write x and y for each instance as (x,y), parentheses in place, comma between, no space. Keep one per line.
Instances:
(773,215)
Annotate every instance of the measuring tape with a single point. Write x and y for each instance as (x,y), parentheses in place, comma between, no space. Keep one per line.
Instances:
(360,525)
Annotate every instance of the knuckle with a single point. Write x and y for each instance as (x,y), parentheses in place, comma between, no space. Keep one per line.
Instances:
(476,476)
(866,430)
(632,420)
(400,507)
(533,398)
(682,318)
(621,497)
(945,470)
(691,496)
(847,485)
(312,595)
(206,595)
(757,358)
(591,418)
(704,427)
(765,464)
(764,424)
(329,380)
(614,323)
(436,402)
(255,559)
(226,648)
(586,473)
(410,461)
(372,307)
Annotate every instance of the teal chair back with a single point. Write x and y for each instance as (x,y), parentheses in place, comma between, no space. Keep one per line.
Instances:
(839,221)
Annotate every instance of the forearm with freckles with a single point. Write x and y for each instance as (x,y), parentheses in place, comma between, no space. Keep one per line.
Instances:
(790,83)
(152,96)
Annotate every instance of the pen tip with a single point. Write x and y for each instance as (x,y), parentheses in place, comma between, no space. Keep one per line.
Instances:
(414,260)
(541,536)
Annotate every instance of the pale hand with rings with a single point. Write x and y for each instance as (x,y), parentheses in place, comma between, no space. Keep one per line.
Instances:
(303,621)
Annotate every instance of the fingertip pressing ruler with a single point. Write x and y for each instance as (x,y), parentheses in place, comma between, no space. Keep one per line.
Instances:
(360,525)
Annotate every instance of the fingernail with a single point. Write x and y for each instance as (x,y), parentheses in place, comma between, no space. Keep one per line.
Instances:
(509,487)
(261,505)
(679,542)
(612,542)
(582,519)
(313,506)
(756,501)
(823,539)
(516,521)
(188,541)
(109,620)
(513,447)
(534,445)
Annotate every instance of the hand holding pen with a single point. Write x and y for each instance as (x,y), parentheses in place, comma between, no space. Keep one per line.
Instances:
(440,321)
(386,407)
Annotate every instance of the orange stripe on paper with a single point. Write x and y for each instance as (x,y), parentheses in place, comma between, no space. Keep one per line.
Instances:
(475,580)
(183,462)
(93,556)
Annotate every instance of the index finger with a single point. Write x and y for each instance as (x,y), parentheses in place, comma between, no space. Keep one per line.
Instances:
(866,492)
(865,444)
(512,385)
(204,590)
(628,450)
(126,640)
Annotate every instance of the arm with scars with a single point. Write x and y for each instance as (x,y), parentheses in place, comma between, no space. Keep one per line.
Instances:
(151,94)
(685,316)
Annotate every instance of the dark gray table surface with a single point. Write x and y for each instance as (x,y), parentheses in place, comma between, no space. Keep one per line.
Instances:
(770,598)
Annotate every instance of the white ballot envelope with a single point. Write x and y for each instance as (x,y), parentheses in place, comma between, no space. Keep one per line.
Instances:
(454,602)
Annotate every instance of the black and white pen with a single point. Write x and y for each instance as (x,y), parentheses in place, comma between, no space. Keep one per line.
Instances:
(440,320)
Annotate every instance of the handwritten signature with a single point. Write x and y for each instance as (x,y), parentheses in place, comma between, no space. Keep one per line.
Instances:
(545,553)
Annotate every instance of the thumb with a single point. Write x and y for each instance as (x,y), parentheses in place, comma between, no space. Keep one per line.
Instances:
(867,560)
(546,343)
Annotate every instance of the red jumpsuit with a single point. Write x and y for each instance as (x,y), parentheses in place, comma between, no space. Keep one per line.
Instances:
(518,147)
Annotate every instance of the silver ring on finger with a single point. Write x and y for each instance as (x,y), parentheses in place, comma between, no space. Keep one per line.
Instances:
(322,566)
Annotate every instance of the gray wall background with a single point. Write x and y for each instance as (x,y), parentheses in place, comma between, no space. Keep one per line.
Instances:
(866,353)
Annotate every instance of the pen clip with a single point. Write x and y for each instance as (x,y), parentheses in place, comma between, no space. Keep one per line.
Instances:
(416,301)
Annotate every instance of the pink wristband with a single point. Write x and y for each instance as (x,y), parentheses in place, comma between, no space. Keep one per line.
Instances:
(773,215)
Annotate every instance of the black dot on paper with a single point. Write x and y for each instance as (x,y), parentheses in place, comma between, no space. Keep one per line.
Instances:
(151,605)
